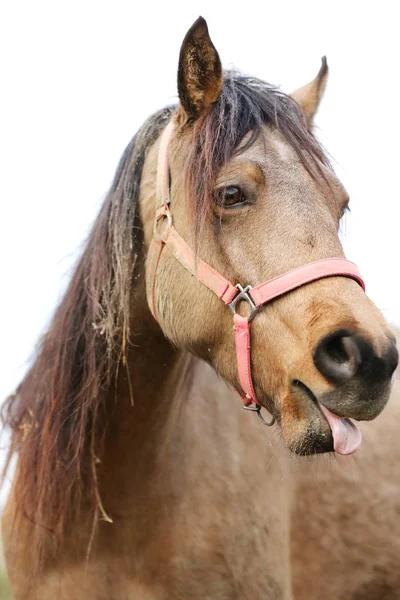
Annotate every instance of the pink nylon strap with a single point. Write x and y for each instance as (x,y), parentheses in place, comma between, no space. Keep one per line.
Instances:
(215,282)
(162,182)
(162,202)
(218,284)
(199,269)
(319,269)
(243,357)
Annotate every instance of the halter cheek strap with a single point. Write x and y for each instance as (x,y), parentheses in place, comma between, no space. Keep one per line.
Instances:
(165,234)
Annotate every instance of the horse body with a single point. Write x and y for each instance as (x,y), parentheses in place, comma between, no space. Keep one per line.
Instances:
(207,503)
(139,476)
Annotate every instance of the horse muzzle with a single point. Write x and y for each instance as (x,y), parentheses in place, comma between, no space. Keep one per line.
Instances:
(360,383)
(361,378)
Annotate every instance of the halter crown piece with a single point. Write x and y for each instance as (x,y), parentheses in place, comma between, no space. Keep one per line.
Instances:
(230,294)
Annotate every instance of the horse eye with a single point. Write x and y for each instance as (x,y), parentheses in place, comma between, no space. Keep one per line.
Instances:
(230,196)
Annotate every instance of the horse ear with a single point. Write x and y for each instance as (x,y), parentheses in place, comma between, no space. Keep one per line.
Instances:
(309,96)
(199,71)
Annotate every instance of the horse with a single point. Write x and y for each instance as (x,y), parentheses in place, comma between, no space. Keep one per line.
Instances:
(213,276)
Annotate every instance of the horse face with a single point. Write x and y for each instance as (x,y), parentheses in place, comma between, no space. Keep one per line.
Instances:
(321,354)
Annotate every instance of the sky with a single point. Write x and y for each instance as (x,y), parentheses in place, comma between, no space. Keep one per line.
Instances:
(79,77)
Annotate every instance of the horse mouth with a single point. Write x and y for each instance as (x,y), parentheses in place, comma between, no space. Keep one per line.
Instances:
(346,435)
(326,431)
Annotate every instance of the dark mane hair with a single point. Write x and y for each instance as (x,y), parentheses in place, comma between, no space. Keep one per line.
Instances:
(55,415)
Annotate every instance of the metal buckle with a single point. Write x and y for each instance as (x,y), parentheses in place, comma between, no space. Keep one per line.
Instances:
(243,295)
(257,409)
(162,213)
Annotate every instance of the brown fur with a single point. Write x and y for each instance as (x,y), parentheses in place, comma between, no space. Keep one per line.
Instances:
(204,501)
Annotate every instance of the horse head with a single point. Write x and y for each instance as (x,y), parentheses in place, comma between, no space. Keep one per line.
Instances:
(253,195)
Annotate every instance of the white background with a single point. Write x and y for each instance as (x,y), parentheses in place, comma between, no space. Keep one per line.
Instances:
(78,79)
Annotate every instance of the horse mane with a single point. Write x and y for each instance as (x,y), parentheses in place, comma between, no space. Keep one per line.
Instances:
(55,416)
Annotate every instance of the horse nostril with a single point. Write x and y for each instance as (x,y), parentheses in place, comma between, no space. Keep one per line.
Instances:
(338,356)
(390,358)
(343,354)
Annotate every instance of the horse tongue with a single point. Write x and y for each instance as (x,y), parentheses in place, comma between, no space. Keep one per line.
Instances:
(346,435)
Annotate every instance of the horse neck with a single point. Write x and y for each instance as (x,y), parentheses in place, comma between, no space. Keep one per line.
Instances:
(185,420)
(184,443)
(143,407)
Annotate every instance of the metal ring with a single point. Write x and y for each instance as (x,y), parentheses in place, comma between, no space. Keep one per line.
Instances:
(243,295)
(257,409)
(162,213)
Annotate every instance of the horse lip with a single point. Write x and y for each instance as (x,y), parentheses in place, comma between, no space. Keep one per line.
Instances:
(299,384)
(345,436)
(318,402)
(310,394)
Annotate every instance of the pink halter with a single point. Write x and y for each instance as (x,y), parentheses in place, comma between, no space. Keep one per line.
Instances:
(217,283)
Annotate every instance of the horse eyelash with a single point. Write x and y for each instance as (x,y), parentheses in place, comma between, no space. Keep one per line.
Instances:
(345,211)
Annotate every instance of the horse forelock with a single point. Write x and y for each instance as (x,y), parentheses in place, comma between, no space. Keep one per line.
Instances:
(245,106)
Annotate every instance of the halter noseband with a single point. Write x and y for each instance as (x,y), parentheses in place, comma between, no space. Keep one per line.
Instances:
(230,294)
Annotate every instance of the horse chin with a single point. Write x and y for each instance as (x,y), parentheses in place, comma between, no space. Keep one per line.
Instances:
(309,427)
(314,442)
(305,430)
